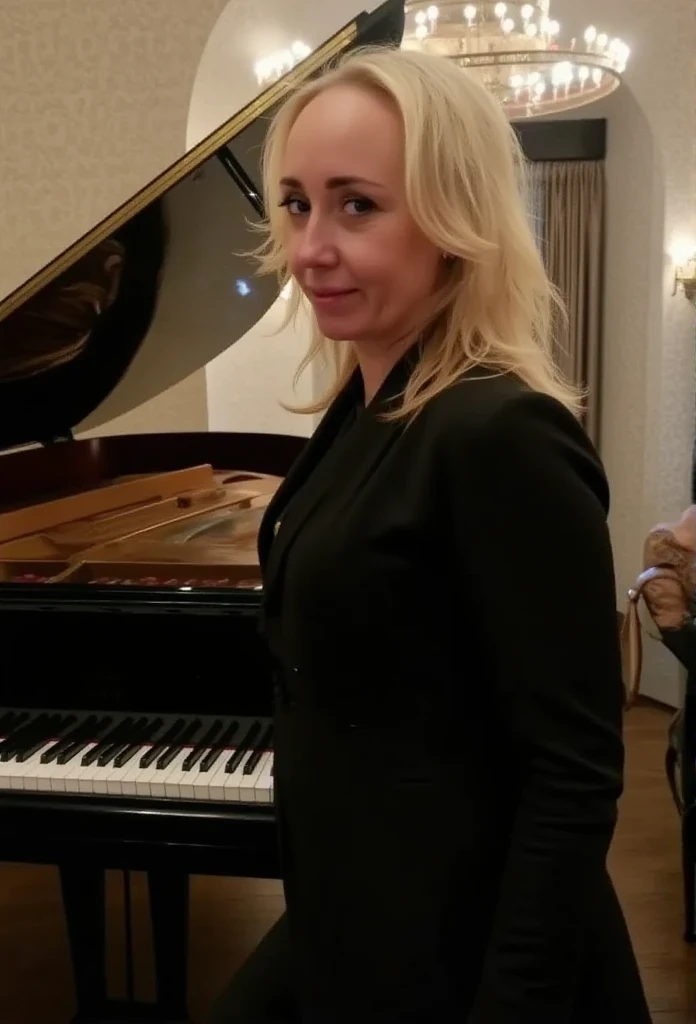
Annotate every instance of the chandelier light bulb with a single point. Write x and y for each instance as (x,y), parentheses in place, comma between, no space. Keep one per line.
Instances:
(518,50)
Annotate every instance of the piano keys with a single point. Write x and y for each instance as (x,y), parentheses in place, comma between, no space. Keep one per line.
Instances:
(152,757)
(136,726)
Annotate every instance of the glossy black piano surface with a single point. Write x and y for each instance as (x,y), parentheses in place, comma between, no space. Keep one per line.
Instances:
(129,580)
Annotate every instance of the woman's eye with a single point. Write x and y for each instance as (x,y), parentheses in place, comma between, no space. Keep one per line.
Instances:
(295,206)
(359,206)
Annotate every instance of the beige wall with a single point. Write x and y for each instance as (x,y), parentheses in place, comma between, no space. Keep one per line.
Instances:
(94,100)
(649,379)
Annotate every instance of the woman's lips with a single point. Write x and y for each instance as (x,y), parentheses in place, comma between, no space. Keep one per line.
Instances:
(331,297)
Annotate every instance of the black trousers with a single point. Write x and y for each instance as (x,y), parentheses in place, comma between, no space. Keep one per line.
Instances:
(261,990)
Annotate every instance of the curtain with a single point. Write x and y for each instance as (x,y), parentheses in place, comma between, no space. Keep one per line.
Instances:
(567,209)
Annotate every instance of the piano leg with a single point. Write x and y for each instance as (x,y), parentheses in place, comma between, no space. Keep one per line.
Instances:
(83,892)
(169,912)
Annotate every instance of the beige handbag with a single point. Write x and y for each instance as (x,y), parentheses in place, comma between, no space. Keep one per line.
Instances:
(666,584)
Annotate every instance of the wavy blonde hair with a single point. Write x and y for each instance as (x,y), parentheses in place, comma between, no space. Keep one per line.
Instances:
(466,190)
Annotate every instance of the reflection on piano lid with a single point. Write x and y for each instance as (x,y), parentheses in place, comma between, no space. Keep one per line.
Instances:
(161,286)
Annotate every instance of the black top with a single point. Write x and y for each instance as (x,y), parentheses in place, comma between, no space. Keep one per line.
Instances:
(440,601)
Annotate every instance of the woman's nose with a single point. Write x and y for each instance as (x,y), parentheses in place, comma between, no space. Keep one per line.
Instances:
(315,246)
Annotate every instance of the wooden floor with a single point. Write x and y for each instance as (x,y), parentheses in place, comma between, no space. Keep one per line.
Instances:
(230,916)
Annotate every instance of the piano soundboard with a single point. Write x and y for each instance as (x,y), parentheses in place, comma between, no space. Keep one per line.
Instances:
(193,528)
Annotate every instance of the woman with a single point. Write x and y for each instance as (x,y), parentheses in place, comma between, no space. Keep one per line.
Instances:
(439,591)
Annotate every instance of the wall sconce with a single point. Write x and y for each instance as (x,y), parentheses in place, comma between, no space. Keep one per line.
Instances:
(685,275)
(684,259)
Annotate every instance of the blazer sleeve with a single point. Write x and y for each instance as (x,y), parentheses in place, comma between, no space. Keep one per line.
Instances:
(531,535)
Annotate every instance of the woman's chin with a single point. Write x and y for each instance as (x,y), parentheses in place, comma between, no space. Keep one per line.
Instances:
(336,329)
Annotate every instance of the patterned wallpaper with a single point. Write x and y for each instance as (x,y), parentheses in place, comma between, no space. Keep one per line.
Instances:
(94,99)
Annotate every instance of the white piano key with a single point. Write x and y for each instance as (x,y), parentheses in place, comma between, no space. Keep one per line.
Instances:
(199,786)
(11,774)
(173,782)
(247,787)
(234,780)
(69,780)
(190,779)
(264,784)
(129,785)
(158,781)
(52,777)
(116,781)
(23,772)
(216,788)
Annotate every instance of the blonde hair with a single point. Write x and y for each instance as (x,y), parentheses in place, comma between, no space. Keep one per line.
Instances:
(466,190)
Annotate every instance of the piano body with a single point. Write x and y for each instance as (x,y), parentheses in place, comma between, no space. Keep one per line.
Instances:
(137,699)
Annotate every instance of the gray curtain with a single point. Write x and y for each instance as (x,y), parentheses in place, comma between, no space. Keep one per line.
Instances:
(567,210)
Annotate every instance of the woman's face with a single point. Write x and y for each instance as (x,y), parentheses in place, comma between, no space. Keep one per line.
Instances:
(356,252)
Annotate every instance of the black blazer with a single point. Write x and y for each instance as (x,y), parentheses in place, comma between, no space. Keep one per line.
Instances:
(440,603)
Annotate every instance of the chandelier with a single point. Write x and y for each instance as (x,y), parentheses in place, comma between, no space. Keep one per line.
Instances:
(515,48)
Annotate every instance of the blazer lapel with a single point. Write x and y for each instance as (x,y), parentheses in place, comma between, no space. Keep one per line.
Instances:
(317,445)
(326,458)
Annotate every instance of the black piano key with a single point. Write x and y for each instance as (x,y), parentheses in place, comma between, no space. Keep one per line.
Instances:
(78,745)
(11,719)
(84,728)
(72,751)
(203,744)
(42,728)
(224,741)
(158,748)
(18,731)
(31,749)
(263,744)
(119,730)
(148,733)
(113,749)
(245,745)
(186,736)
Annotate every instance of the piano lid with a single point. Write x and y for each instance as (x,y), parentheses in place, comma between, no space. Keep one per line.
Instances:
(161,286)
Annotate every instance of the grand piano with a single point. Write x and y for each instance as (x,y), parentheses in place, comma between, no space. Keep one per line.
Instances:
(137,699)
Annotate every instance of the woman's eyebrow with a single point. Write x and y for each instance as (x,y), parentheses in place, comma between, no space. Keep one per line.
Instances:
(341,181)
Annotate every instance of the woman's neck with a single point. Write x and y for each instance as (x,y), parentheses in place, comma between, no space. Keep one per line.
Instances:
(377,362)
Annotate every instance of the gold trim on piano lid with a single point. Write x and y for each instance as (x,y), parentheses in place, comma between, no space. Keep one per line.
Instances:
(174,174)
